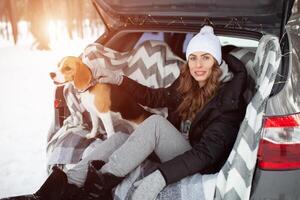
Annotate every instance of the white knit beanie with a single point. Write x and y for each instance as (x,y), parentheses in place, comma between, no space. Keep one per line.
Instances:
(205,41)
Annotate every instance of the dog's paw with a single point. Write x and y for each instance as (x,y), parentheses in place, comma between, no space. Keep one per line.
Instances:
(89,136)
(93,134)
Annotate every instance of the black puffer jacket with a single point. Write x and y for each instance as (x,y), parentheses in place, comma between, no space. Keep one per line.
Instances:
(214,129)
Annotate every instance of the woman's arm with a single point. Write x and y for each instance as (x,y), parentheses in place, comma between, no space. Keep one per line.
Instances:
(147,96)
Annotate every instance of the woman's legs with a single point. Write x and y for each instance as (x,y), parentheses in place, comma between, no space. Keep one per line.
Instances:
(122,155)
(155,134)
(77,174)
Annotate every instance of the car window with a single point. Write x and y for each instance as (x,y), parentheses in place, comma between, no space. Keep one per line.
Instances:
(239,42)
(150,36)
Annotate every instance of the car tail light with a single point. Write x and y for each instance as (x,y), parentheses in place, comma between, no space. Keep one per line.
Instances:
(279,147)
(57,103)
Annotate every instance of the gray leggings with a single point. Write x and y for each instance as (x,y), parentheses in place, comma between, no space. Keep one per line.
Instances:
(123,153)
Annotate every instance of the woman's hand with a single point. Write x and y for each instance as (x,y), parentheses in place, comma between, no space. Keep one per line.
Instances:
(109,76)
(149,187)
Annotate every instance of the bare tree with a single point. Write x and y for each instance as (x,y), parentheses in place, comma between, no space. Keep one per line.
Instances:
(8,13)
(39,12)
(13,19)
(38,21)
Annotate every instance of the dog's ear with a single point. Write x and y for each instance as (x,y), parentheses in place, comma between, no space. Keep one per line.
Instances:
(82,76)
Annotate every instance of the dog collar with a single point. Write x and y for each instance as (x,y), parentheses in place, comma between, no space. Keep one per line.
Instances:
(92,83)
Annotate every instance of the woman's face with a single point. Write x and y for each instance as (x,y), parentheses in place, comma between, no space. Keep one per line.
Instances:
(200,65)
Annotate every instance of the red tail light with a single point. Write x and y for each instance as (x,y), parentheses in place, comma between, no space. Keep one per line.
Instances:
(57,103)
(279,147)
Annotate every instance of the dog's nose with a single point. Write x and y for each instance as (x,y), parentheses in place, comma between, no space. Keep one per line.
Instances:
(52,75)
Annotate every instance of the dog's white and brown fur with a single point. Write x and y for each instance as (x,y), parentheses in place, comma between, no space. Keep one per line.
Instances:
(104,101)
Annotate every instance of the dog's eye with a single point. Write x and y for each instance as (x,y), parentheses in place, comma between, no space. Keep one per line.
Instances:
(67,68)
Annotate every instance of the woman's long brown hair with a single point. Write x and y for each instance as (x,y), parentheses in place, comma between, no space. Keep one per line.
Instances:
(194,96)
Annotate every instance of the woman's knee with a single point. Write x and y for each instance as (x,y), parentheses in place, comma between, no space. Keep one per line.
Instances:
(149,125)
(155,119)
(154,124)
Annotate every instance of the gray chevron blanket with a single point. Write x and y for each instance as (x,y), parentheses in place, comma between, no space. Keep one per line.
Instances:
(234,181)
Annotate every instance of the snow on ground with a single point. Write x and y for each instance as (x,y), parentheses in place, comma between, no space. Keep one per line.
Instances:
(26,108)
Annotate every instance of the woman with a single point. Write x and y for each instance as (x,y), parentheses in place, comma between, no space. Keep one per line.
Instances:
(205,111)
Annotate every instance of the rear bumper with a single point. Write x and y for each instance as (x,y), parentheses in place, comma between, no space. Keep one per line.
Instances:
(271,185)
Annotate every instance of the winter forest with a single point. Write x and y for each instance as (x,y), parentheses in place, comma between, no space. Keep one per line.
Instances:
(47,20)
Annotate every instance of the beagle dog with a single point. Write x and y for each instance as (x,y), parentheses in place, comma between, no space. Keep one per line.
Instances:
(105,101)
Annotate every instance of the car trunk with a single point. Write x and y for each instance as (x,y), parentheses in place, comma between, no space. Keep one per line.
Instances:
(267,16)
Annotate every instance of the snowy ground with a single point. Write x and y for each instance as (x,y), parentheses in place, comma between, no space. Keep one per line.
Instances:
(26,108)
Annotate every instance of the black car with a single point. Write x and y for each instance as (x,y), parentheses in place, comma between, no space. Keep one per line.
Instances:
(240,26)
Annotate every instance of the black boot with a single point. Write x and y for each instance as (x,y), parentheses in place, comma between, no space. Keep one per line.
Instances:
(53,188)
(98,185)
(74,193)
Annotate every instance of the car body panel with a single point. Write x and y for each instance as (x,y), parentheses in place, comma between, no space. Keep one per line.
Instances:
(281,185)
(289,96)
